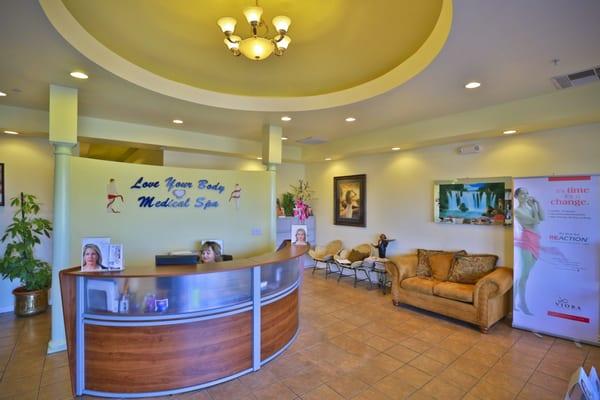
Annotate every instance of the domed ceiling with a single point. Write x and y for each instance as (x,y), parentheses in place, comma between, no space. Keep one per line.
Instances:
(341,51)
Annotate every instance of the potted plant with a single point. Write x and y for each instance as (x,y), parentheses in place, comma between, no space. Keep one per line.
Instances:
(19,261)
(288,204)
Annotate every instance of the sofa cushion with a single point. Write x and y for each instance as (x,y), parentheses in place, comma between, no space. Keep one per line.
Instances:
(440,265)
(423,266)
(471,268)
(455,291)
(356,256)
(420,285)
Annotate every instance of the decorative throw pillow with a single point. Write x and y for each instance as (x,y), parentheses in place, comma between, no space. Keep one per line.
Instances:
(440,265)
(423,267)
(471,268)
(356,255)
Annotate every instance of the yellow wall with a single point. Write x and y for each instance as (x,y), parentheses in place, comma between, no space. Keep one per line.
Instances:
(400,187)
(146,232)
(28,167)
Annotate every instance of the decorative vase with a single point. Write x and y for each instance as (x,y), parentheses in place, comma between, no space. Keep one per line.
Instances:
(30,303)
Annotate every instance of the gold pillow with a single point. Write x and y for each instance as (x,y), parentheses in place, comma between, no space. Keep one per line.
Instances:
(471,268)
(423,267)
(440,265)
(356,255)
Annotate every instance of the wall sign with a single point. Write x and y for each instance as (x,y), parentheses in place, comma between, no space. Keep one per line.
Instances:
(201,194)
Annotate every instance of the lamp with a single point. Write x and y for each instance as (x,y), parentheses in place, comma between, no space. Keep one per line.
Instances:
(256,47)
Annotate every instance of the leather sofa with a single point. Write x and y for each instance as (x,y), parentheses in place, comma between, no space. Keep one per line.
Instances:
(482,303)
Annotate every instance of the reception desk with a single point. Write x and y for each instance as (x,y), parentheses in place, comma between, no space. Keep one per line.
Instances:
(154,331)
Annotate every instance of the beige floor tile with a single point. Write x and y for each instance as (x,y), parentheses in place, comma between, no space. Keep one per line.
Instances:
(416,345)
(459,378)
(395,388)
(275,391)
(441,355)
(259,379)
(487,391)
(305,381)
(442,390)
(428,365)
(322,392)
(534,392)
(548,382)
(348,386)
(402,353)
(411,375)
(60,390)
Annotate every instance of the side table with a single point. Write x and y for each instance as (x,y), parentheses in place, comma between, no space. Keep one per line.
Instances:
(378,266)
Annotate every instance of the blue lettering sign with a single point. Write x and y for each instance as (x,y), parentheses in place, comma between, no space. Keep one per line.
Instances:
(203,184)
(173,183)
(141,184)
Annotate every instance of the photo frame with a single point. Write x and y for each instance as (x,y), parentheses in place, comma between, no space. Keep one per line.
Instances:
(350,200)
(297,230)
(98,253)
(2,185)
(481,201)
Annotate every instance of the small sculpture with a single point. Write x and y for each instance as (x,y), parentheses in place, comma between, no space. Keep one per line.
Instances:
(382,244)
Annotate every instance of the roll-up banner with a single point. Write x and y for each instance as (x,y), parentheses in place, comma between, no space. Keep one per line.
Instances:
(557,256)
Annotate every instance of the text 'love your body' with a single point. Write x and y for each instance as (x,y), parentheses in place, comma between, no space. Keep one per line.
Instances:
(177,193)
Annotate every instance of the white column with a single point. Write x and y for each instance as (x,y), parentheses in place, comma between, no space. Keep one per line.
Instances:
(60,241)
(271,157)
(63,135)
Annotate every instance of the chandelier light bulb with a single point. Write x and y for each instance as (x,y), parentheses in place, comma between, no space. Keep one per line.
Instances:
(256,47)
(282,24)
(253,14)
(227,25)
(233,44)
(283,42)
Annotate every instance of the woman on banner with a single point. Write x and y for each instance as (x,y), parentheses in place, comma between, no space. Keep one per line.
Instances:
(529,214)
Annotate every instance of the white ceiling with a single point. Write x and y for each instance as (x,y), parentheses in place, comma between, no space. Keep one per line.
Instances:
(508,45)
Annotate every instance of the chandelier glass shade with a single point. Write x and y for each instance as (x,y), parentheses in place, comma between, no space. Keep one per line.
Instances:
(256,47)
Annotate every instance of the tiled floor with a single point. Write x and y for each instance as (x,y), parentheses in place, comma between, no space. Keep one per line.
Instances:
(354,344)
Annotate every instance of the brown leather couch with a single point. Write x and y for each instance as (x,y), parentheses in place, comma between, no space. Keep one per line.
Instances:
(483,303)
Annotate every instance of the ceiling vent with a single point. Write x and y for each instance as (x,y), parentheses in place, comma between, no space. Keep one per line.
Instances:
(577,78)
(312,140)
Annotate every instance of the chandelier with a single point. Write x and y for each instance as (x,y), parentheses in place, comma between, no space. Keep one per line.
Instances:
(256,47)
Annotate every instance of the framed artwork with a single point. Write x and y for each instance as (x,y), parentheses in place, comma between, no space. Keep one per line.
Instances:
(484,201)
(2,184)
(299,235)
(350,200)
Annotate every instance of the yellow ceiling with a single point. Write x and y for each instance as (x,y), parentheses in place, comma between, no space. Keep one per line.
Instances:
(336,44)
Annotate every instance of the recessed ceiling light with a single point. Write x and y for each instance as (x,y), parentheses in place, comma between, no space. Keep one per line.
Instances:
(395,148)
(350,119)
(286,118)
(177,121)
(259,158)
(11,132)
(510,131)
(328,159)
(472,85)
(284,138)
(2,94)
(78,75)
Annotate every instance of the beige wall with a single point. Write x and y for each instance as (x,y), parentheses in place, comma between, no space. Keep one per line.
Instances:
(286,174)
(28,167)
(145,232)
(400,187)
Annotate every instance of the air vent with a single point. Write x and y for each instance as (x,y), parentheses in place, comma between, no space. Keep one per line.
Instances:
(577,78)
(312,140)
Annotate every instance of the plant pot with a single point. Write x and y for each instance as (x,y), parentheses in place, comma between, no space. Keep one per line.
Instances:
(30,303)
